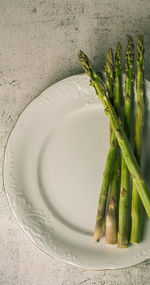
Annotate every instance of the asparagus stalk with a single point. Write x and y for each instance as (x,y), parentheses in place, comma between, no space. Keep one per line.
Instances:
(123,231)
(112,209)
(100,219)
(117,128)
(109,68)
(136,213)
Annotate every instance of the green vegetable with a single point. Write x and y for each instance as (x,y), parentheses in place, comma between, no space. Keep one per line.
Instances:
(100,219)
(136,201)
(117,128)
(124,212)
(112,209)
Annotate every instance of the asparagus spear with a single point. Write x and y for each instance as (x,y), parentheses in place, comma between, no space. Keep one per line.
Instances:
(112,209)
(136,214)
(109,68)
(123,233)
(100,219)
(117,128)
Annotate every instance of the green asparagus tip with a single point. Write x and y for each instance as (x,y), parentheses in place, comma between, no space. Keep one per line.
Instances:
(88,68)
(141,39)
(118,55)
(109,68)
(82,56)
(119,49)
(130,54)
(109,61)
(110,56)
(140,52)
(84,60)
(86,64)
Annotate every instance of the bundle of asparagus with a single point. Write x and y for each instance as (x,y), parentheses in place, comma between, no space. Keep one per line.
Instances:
(113,213)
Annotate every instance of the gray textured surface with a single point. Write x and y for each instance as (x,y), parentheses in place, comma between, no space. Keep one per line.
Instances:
(39,41)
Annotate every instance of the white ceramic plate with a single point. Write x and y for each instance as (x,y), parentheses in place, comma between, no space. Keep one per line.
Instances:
(53,168)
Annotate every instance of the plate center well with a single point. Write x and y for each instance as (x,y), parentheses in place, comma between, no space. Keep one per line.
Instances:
(71,166)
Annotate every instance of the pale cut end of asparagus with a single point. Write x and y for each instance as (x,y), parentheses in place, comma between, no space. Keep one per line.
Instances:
(112,209)
(111,223)
(122,243)
(99,230)
(100,218)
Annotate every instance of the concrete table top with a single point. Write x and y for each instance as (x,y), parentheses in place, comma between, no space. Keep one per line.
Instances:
(39,41)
